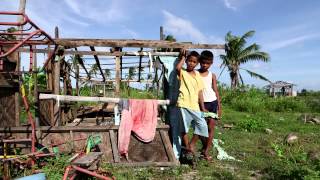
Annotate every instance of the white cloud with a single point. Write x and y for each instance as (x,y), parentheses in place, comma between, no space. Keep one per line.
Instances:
(74,6)
(98,11)
(291,41)
(235,5)
(183,28)
(229,4)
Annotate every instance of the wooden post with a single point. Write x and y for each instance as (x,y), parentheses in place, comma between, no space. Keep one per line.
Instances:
(56,32)
(65,78)
(77,79)
(22,8)
(118,78)
(161,33)
(49,72)
(56,87)
(120,49)
(140,64)
(35,90)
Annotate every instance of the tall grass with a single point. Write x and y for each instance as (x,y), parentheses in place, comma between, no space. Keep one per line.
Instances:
(253,100)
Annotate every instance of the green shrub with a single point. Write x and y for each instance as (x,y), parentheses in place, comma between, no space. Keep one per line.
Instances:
(286,104)
(251,124)
(253,100)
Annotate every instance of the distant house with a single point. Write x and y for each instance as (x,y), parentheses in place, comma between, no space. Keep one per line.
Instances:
(281,88)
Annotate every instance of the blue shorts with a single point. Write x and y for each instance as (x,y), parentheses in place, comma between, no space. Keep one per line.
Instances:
(194,118)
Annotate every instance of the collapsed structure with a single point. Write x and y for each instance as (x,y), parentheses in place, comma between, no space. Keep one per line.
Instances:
(101,66)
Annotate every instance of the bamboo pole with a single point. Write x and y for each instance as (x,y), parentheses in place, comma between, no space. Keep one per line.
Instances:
(67,98)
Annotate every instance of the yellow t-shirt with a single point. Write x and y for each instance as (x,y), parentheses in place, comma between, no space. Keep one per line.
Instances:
(189,90)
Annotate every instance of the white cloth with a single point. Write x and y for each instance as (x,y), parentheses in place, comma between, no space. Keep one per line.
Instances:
(208,93)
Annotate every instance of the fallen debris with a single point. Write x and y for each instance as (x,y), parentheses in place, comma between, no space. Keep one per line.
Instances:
(291,139)
(222,154)
(268,131)
(309,118)
(227,126)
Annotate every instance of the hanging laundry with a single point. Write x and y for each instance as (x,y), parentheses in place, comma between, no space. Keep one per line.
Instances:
(141,118)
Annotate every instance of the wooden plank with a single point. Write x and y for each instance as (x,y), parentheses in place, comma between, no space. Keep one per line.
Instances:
(104,53)
(114,147)
(145,164)
(98,63)
(87,159)
(66,129)
(168,146)
(134,43)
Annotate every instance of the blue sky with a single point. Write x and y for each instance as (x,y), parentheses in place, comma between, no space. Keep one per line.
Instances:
(287,30)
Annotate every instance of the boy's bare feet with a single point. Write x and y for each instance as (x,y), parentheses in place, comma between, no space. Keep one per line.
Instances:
(206,156)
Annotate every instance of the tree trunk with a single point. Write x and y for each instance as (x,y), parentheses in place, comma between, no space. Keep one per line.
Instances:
(234,77)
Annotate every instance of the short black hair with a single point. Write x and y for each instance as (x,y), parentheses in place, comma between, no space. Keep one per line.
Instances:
(193,53)
(206,55)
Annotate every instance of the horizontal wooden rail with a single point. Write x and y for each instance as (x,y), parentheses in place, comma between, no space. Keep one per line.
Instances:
(64,129)
(104,53)
(134,43)
(63,98)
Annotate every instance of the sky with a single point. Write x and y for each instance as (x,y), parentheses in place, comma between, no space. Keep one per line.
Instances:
(287,30)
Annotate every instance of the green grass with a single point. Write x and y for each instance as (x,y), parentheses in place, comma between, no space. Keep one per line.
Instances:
(263,155)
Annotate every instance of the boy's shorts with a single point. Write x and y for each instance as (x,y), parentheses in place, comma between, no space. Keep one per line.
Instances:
(194,118)
(212,106)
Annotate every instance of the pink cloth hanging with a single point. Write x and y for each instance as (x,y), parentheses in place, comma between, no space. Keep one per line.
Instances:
(141,118)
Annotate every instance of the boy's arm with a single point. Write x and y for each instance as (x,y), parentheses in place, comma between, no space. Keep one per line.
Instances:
(201,102)
(182,57)
(215,88)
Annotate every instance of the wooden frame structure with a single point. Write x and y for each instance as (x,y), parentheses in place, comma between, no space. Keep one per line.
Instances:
(54,102)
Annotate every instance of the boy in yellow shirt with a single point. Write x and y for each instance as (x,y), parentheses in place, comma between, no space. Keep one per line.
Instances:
(190,97)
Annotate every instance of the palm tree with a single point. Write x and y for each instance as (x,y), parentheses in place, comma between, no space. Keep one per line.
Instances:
(94,69)
(237,53)
(132,73)
(107,73)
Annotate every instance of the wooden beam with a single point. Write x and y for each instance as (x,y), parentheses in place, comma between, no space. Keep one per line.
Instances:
(134,43)
(53,129)
(80,61)
(103,53)
(62,129)
(114,147)
(145,164)
(168,146)
(97,62)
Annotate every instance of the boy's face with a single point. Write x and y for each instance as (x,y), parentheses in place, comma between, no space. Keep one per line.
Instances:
(191,62)
(205,64)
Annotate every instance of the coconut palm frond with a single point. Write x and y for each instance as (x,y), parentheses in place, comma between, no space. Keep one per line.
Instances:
(256,75)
